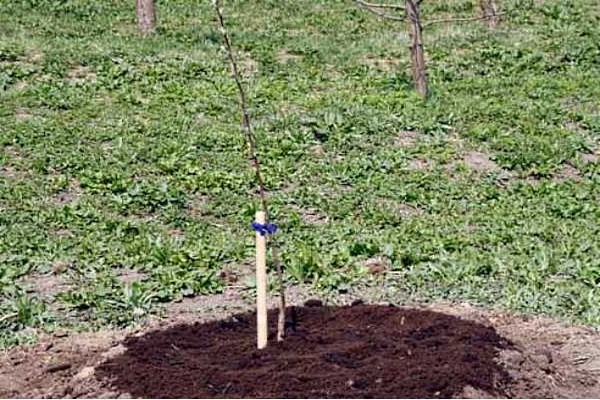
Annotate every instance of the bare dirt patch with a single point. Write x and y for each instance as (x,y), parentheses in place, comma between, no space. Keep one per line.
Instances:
(59,267)
(64,198)
(574,126)
(62,232)
(443,350)
(407,138)
(53,367)
(176,233)
(377,265)
(9,172)
(196,206)
(13,152)
(215,306)
(284,57)
(21,85)
(81,74)
(549,359)
(385,64)
(11,169)
(312,216)
(591,158)
(402,209)
(127,276)
(103,100)
(67,196)
(480,162)
(34,57)
(331,72)
(46,285)
(317,149)
(236,273)
(566,173)
(248,65)
(419,164)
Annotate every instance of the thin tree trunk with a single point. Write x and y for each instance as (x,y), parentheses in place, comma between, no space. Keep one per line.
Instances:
(490,11)
(146,15)
(251,139)
(417,56)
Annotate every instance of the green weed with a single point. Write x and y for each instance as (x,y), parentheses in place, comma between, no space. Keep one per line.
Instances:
(125,152)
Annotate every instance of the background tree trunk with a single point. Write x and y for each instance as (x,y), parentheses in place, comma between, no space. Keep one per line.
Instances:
(417,55)
(490,10)
(146,15)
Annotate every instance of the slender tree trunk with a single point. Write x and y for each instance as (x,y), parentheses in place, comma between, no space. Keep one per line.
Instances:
(417,56)
(146,15)
(490,10)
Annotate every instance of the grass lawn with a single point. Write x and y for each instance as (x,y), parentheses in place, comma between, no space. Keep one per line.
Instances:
(124,180)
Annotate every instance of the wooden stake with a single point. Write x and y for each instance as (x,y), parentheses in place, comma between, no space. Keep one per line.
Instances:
(261,284)
(251,140)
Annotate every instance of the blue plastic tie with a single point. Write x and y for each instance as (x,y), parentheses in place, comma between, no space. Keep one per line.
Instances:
(264,229)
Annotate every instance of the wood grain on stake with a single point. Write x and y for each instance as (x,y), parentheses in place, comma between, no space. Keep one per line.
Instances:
(261,284)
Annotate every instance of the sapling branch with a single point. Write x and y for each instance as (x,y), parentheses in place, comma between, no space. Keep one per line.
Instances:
(252,150)
(376,5)
(467,19)
(375,9)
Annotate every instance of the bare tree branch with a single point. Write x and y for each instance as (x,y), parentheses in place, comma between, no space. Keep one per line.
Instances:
(448,20)
(374,9)
(375,5)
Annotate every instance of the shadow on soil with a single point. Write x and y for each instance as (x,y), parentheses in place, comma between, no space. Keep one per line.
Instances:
(354,351)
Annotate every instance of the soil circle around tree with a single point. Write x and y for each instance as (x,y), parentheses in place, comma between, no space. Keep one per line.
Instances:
(358,351)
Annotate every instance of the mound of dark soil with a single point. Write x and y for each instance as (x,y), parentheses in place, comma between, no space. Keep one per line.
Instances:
(354,351)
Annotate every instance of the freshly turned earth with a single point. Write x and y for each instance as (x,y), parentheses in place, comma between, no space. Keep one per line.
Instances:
(353,351)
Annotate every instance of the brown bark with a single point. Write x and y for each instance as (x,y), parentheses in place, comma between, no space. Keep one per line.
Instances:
(490,11)
(146,15)
(417,56)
